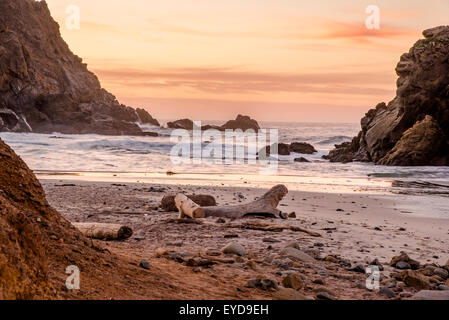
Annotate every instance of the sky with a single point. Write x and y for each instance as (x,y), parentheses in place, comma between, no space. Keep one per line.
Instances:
(275,60)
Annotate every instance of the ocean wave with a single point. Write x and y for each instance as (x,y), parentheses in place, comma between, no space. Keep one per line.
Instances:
(335,140)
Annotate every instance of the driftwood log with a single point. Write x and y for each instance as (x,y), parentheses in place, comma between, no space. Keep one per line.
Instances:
(264,206)
(104,231)
(187,207)
(168,201)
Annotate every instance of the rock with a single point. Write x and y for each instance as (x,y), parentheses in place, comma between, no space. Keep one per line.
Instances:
(204,200)
(241,122)
(302,147)
(283,149)
(302,159)
(324,296)
(415,280)
(145,264)
(385,291)
(431,295)
(417,145)
(444,274)
(185,124)
(293,281)
(146,118)
(263,283)
(443,287)
(402,265)
(234,248)
(45,88)
(292,215)
(358,268)
(376,262)
(296,255)
(413,128)
(403,257)
(290,294)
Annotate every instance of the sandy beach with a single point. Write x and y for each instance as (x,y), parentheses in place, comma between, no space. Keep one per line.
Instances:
(355,228)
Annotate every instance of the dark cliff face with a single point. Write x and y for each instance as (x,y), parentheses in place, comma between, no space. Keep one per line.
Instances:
(44,87)
(421,105)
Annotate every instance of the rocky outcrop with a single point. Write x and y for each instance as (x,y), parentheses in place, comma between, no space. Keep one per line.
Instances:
(45,88)
(185,124)
(392,134)
(241,122)
(302,148)
(285,149)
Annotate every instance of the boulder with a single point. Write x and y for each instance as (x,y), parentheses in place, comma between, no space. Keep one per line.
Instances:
(415,280)
(45,88)
(283,149)
(204,200)
(413,128)
(302,147)
(146,118)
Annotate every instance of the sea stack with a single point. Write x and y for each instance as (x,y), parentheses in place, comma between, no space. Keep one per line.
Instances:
(413,128)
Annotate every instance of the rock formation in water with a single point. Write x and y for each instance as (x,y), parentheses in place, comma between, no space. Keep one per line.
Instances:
(413,129)
(45,88)
(241,122)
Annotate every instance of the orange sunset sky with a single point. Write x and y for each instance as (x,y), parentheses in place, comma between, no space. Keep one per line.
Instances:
(278,60)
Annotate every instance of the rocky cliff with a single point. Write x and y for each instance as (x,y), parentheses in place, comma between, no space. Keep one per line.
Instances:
(44,87)
(412,129)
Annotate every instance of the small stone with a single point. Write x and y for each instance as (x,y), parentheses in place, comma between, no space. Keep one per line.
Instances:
(234,248)
(292,215)
(319,281)
(283,215)
(145,264)
(443,287)
(401,265)
(263,283)
(405,258)
(324,296)
(431,295)
(358,268)
(340,210)
(290,294)
(405,294)
(293,281)
(270,240)
(296,255)
(220,220)
(384,291)
(377,263)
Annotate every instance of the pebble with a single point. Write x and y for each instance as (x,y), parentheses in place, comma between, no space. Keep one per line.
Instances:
(144,264)
(234,248)
(324,296)
(293,281)
(385,291)
(296,254)
(263,283)
(401,265)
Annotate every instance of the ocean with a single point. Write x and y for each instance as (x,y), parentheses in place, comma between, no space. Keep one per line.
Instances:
(147,159)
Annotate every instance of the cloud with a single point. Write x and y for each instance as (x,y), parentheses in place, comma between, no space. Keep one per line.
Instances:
(230,81)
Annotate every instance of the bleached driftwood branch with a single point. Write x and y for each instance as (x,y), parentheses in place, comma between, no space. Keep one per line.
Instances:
(104,231)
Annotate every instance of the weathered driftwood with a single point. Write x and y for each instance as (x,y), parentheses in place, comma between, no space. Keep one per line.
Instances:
(264,206)
(104,231)
(168,201)
(187,207)
(262,226)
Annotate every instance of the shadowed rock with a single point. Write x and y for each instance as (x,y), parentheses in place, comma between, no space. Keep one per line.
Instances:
(413,128)
(45,88)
